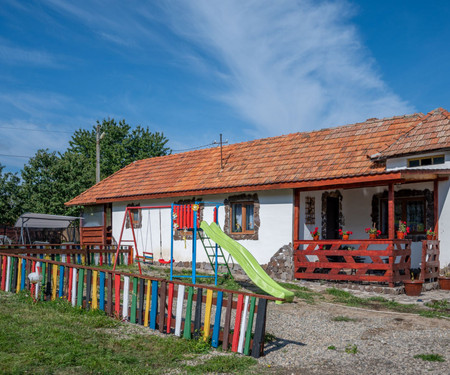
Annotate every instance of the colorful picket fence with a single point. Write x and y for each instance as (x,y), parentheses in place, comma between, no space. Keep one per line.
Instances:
(97,255)
(172,307)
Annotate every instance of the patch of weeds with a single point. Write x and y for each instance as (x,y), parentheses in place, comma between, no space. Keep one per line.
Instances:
(351,349)
(439,305)
(302,292)
(430,357)
(268,337)
(224,365)
(377,299)
(331,347)
(341,318)
(349,299)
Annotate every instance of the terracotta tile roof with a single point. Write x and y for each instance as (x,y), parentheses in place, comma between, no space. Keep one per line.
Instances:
(325,154)
(432,133)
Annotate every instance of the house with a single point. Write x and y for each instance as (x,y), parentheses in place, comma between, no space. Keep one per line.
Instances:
(275,191)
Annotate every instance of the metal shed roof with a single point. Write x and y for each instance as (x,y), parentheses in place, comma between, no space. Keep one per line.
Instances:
(32,220)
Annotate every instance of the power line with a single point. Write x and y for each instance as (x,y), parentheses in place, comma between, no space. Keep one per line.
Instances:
(16,156)
(195,148)
(36,130)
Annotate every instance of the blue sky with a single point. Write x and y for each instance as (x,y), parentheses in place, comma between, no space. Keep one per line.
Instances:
(194,69)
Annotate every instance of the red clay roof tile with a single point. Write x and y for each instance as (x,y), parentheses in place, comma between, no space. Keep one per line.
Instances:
(325,154)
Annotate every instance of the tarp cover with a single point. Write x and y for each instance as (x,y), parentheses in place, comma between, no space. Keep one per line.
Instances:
(31,220)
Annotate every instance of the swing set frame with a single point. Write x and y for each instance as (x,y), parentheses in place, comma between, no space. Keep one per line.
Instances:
(183,217)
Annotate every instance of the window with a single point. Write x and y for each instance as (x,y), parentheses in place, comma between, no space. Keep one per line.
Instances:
(242,217)
(92,216)
(431,160)
(136,216)
(409,209)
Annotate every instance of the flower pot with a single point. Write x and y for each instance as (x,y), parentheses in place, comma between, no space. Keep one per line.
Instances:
(413,288)
(400,235)
(345,236)
(372,236)
(316,238)
(444,283)
(430,237)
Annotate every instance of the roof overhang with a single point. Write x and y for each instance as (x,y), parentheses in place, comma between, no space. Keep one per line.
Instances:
(33,220)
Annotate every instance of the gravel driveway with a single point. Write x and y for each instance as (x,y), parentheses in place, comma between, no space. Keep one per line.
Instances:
(377,342)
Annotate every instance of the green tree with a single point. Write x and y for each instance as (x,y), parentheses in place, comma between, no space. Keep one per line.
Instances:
(50,179)
(10,200)
(119,146)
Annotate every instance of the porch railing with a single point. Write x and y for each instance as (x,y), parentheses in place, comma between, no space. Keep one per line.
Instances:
(429,266)
(382,261)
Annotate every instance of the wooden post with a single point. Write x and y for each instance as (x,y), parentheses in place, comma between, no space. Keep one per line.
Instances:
(391,212)
(296,214)
(436,208)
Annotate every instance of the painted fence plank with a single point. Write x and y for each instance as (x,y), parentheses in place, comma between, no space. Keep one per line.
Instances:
(102,291)
(4,269)
(147,304)
(198,313)
(154,308)
(109,298)
(94,290)
(188,318)
(126,295)
(54,280)
(117,295)
(227,323)
(248,335)
(48,288)
(237,323)
(141,301)
(74,286)
(88,289)
(61,282)
(179,309)
(80,287)
(216,330)
(258,337)
(69,287)
(43,273)
(134,301)
(207,324)
(23,279)
(162,305)
(14,265)
(169,307)
(243,326)
(19,275)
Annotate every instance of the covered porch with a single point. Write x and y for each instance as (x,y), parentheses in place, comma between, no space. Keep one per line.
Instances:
(355,204)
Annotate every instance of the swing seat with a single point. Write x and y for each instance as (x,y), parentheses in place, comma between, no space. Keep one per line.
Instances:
(163,261)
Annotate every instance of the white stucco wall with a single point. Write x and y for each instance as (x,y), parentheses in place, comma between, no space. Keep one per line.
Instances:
(444,222)
(402,162)
(276,218)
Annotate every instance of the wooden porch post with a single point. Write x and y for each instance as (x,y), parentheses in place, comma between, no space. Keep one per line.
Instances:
(436,208)
(391,212)
(296,214)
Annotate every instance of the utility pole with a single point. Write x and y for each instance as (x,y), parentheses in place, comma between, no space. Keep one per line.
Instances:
(221,143)
(97,154)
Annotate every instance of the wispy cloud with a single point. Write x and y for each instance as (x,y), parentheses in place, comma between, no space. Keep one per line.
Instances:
(287,66)
(16,55)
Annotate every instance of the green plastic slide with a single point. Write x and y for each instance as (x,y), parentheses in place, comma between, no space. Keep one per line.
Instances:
(247,261)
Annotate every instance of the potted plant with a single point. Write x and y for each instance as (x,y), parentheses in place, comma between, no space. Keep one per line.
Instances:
(413,287)
(315,234)
(345,234)
(403,230)
(444,279)
(373,232)
(430,234)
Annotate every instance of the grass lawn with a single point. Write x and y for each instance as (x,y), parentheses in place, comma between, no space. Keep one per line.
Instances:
(54,338)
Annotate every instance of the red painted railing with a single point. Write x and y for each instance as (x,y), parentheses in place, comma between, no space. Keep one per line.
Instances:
(429,269)
(383,261)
